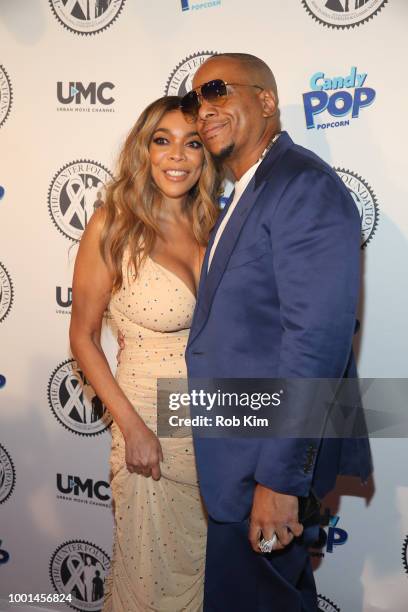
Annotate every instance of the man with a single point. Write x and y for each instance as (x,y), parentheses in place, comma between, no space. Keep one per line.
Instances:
(277,298)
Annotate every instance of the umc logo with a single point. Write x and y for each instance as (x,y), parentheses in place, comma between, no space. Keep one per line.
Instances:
(334,536)
(77,92)
(342,97)
(63,297)
(74,486)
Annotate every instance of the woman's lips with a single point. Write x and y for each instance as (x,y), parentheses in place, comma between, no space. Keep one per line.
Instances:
(176,175)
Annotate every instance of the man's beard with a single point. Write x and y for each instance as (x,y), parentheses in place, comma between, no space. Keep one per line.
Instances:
(224,154)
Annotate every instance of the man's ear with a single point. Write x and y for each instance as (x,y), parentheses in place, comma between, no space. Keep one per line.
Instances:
(269,102)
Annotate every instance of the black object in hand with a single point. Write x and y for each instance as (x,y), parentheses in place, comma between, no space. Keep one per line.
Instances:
(309,509)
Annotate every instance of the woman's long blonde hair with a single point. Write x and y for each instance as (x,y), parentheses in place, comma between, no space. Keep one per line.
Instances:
(133,201)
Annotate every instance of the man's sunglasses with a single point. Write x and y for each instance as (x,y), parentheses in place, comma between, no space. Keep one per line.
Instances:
(214,92)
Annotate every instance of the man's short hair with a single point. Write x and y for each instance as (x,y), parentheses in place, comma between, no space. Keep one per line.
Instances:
(256,67)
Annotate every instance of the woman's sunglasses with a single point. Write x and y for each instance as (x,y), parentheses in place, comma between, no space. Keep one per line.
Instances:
(214,92)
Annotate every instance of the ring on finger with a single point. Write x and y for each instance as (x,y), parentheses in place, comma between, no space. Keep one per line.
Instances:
(266,546)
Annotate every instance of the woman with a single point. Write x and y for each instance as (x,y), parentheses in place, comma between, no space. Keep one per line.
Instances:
(141,254)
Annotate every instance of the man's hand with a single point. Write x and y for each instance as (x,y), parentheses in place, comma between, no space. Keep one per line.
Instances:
(273,513)
(121,342)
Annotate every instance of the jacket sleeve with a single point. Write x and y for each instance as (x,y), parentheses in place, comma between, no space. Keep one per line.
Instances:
(315,235)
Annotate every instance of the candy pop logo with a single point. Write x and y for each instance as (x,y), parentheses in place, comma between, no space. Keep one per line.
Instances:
(187,5)
(335,101)
(330,535)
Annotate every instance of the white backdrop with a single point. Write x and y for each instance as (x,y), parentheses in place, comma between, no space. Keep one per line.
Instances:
(74,77)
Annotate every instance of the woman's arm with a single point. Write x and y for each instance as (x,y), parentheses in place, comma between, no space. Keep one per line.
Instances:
(91,293)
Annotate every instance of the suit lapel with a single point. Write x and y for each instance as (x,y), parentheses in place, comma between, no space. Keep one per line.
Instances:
(209,282)
(204,268)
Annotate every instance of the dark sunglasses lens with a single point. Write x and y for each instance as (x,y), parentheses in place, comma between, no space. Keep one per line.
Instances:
(189,103)
(213,90)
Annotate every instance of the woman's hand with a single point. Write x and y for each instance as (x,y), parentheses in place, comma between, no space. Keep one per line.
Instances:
(143,451)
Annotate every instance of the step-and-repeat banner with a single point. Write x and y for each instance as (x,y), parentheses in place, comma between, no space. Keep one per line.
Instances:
(74,76)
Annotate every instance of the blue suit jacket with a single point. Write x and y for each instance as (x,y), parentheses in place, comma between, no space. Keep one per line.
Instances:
(279,301)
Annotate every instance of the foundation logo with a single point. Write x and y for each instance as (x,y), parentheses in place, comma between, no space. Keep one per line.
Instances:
(365,200)
(330,536)
(7,475)
(340,97)
(326,605)
(343,13)
(180,80)
(85,98)
(74,402)
(78,569)
(86,16)
(76,191)
(6,95)
(6,293)
(405,554)
(85,491)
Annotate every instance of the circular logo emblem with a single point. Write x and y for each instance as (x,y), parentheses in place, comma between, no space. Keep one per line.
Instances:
(6,293)
(74,402)
(365,200)
(7,475)
(86,16)
(180,80)
(6,95)
(78,568)
(76,191)
(326,605)
(405,555)
(343,13)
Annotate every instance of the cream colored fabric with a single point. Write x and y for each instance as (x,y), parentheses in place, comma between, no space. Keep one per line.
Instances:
(160,526)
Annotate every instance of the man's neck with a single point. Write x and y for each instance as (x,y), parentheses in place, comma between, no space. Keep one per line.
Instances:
(239,164)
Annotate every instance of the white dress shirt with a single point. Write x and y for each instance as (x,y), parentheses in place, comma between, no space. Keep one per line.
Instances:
(240,187)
